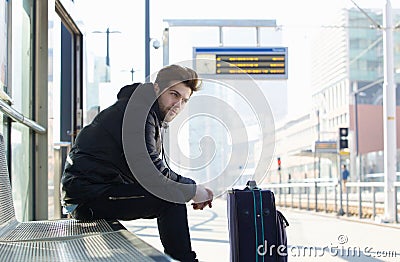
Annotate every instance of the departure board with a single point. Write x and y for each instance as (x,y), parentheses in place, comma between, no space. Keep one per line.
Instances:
(232,62)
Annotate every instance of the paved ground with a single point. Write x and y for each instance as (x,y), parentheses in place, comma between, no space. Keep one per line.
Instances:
(311,236)
(209,232)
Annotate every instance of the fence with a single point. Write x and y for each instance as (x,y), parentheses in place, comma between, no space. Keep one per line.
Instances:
(362,199)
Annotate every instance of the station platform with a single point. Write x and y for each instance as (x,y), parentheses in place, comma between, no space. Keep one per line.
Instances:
(311,236)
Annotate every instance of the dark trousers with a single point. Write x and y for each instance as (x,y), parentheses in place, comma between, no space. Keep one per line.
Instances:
(129,202)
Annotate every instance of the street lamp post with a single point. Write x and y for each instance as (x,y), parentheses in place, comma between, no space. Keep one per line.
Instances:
(357,143)
(147,40)
(107,32)
(132,72)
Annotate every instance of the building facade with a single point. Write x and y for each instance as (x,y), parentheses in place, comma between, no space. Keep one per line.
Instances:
(347,79)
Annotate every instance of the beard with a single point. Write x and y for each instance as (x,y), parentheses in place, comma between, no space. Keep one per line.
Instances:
(168,114)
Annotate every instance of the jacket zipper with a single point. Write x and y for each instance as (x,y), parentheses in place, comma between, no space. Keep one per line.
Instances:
(122,198)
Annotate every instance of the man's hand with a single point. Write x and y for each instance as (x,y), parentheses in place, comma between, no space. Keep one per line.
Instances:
(203,197)
(201,206)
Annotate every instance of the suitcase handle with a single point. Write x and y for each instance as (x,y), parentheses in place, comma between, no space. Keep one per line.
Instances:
(251,184)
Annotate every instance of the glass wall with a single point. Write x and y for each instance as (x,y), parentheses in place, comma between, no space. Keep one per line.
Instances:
(3,43)
(21,55)
(4,49)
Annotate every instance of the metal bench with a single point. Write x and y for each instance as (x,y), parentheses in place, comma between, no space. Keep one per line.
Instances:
(65,239)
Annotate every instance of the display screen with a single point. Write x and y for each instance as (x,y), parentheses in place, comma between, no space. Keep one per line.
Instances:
(263,62)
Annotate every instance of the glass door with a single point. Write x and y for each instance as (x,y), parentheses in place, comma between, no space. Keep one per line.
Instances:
(65,92)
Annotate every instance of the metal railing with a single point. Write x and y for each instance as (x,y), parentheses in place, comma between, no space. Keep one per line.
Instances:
(18,117)
(369,195)
(361,198)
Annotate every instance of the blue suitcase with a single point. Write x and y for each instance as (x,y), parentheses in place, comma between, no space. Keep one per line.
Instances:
(256,229)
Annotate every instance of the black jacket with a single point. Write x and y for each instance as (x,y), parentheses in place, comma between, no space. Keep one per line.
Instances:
(97,158)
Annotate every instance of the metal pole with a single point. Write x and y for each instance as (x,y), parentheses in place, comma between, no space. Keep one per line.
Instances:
(108,47)
(166,46)
(356,122)
(373,202)
(300,189)
(395,201)
(341,212)
(147,40)
(221,36)
(284,196)
(347,203)
(357,166)
(389,115)
(292,197)
(360,188)
(335,197)
(316,195)
(308,198)
(107,32)
(132,72)
(258,37)
(319,138)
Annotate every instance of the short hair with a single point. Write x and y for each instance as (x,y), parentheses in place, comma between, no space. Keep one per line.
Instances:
(178,74)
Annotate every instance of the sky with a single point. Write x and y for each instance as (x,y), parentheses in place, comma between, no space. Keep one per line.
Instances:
(298,20)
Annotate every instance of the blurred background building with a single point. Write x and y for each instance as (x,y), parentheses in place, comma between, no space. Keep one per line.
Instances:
(347,80)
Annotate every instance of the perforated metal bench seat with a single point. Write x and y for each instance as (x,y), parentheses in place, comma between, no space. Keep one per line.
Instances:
(65,239)
(107,246)
(42,230)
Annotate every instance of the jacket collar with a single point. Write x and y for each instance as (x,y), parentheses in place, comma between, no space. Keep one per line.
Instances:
(150,96)
(156,109)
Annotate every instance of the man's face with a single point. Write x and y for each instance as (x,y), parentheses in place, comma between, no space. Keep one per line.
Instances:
(173,100)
